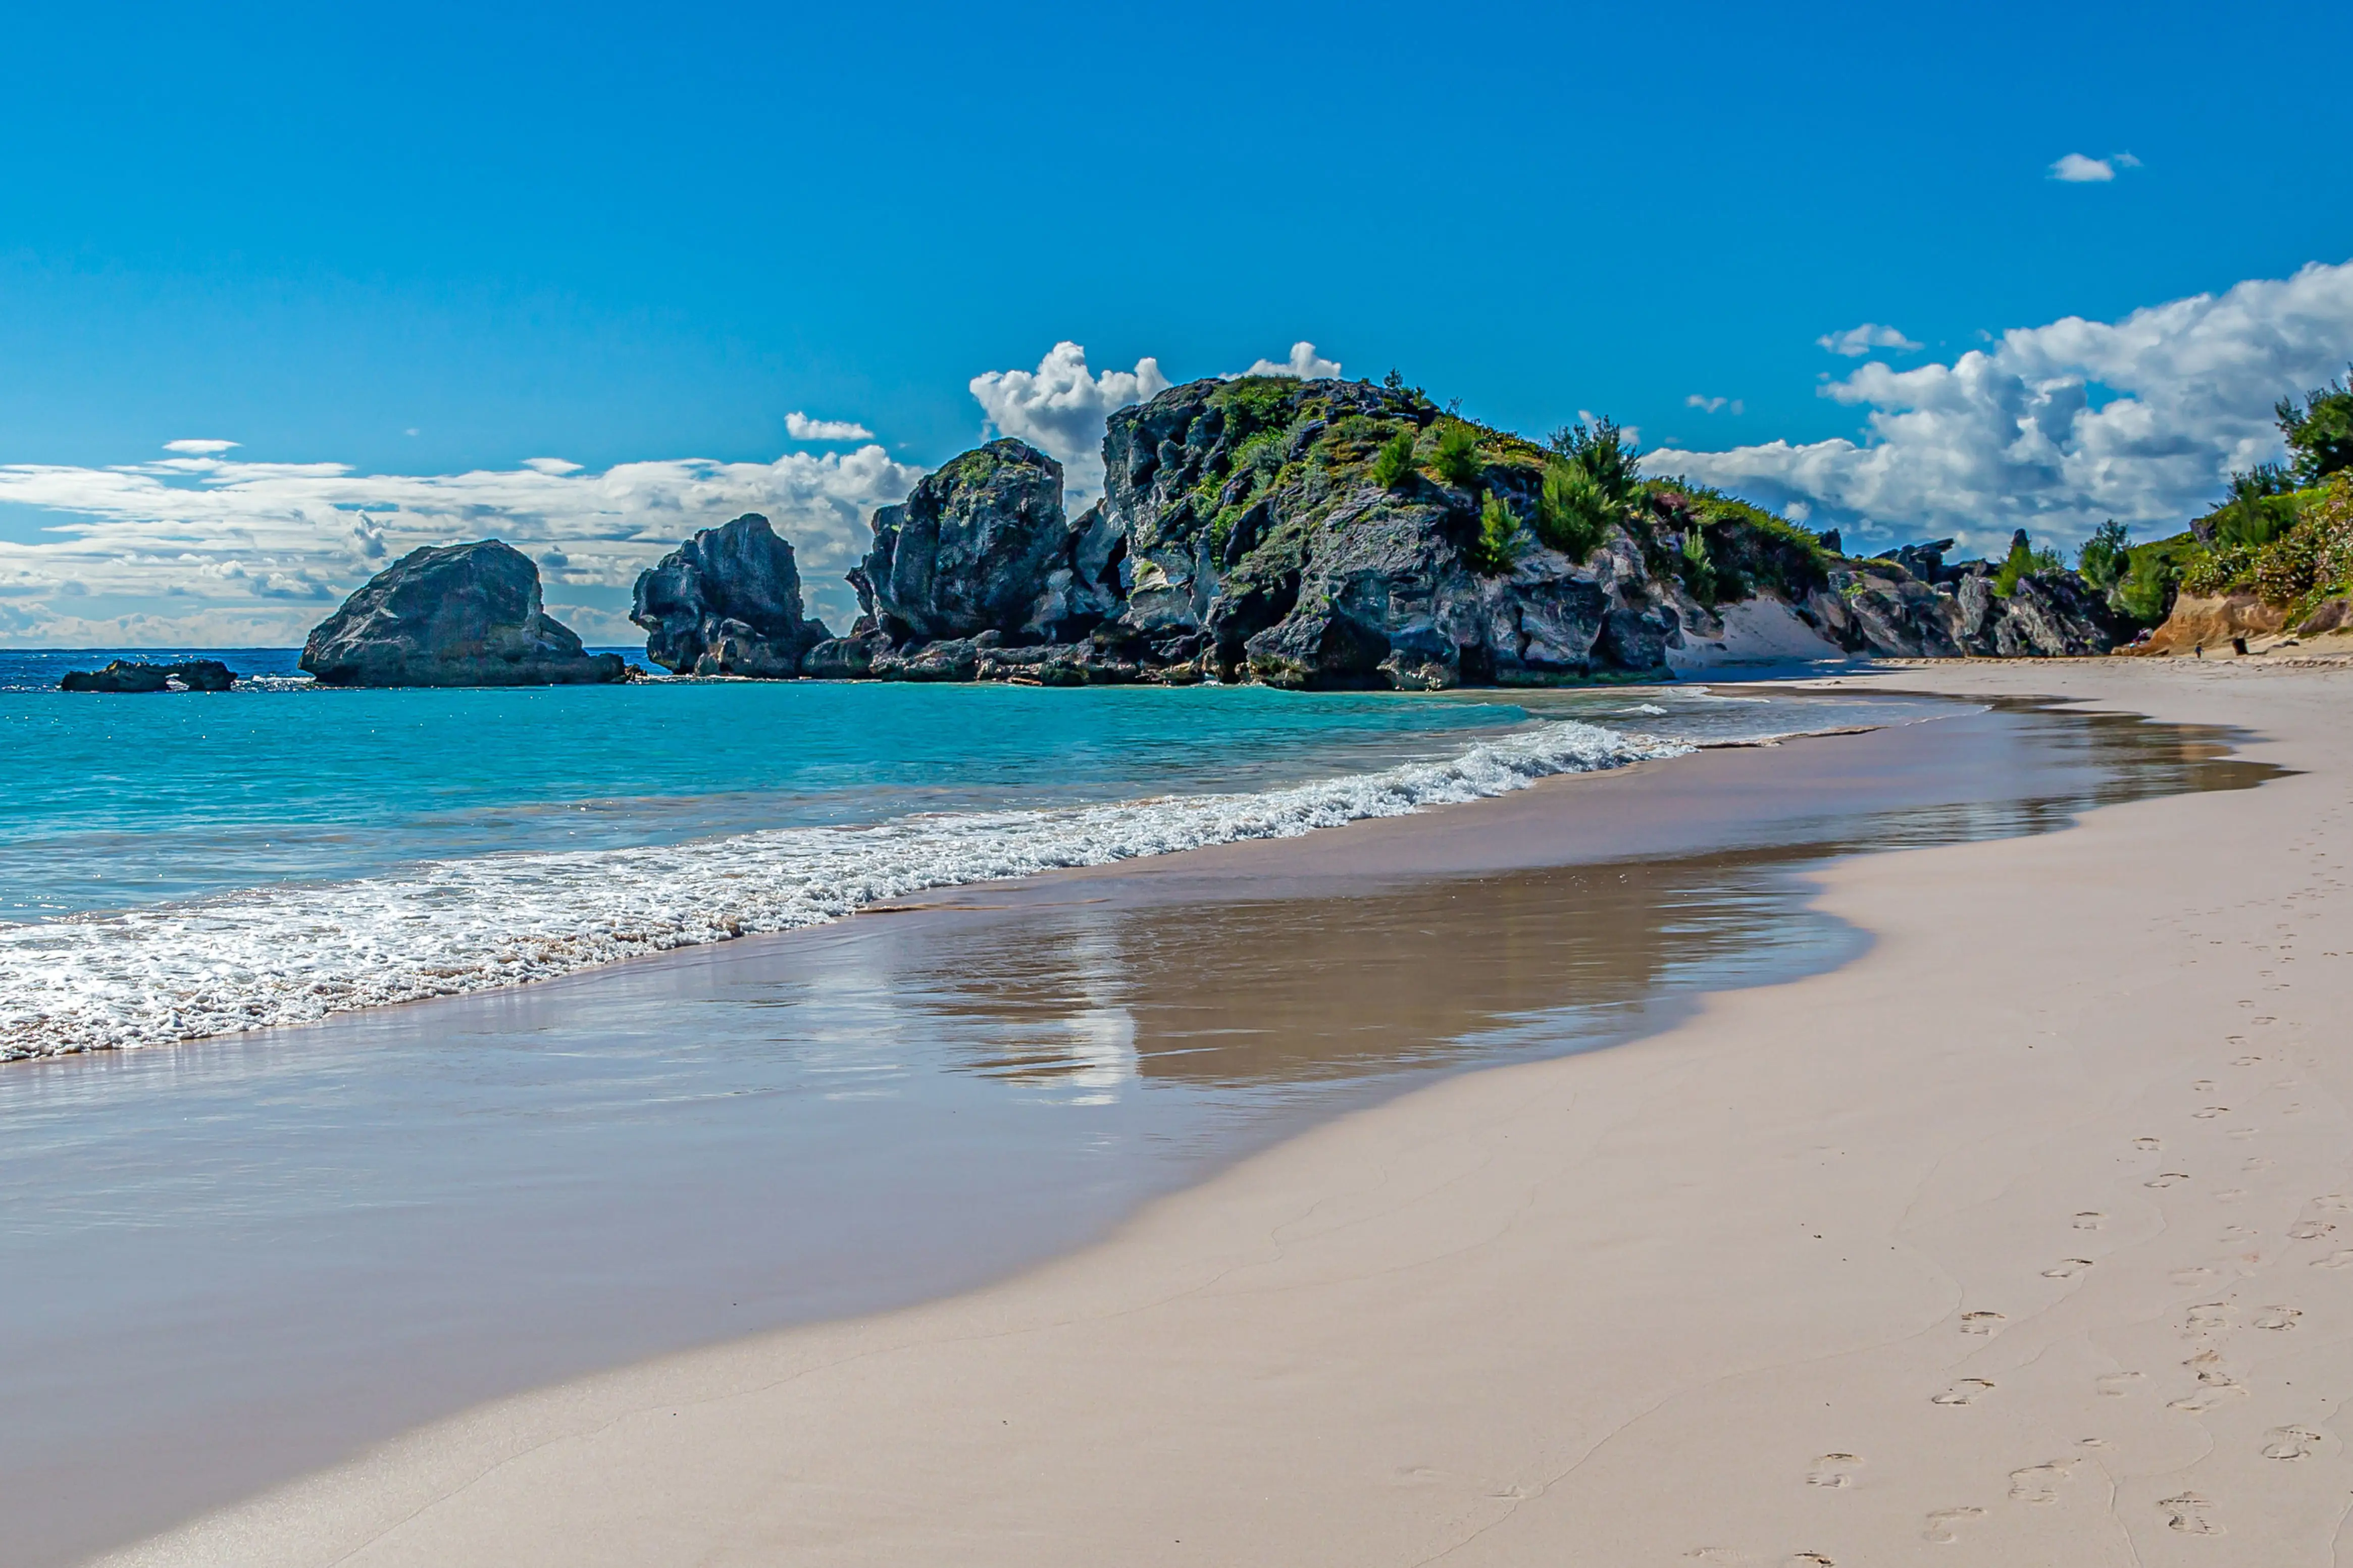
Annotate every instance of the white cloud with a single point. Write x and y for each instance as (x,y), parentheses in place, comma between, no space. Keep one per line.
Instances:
(1715,405)
(1856,342)
(250,553)
(199,449)
(2058,427)
(801,428)
(1305,362)
(2125,160)
(2077,170)
(550,466)
(1061,407)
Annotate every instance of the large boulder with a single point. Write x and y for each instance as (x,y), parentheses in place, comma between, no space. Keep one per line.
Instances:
(982,545)
(461,615)
(727,601)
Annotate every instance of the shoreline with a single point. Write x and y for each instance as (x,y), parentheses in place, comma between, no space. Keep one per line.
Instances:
(1222,1291)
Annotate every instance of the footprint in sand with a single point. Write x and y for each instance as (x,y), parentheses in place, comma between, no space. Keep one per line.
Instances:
(2210,1112)
(1963,1392)
(2341,1259)
(1982,1323)
(2090,1219)
(2067,1268)
(2208,1315)
(2038,1483)
(2257,1162)
(2147,1145)
(2244,1061)
(2196,1274)
(2290,1443)
(2117,1384)
(2210,1395)
(2167,1179)
(1832,1470)
(2203,1086)
(1943,1527)
(2242,1133)
(2332,1201)
(2309,1229)
(2277,1319)
(2187,1514)
(2230,1195)
(1809,1560)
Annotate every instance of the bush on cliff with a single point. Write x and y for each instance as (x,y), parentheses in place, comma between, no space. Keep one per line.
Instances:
(2106,556)
(1501,538)
(1393,464)
(2318,431)
(1573,512)
(1456,455)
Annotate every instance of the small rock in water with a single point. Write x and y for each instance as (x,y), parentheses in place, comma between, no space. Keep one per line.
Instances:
(130,675)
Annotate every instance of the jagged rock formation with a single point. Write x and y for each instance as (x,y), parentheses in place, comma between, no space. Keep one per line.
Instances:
(1913,605)
(727,601)
(982,545)
(462,615)
(130,675)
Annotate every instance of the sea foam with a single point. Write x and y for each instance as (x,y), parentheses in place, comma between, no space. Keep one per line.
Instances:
(297,953)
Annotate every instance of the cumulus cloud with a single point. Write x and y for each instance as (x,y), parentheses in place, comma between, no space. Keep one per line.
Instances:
(1305,362)
(2056,427)
(1714,405)
(199,449)
(801,428)
(1856,342)
(1060,407)
(2075,168)
(250,551)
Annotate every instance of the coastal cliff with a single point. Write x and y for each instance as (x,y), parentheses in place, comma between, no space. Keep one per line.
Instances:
(727,601)
(1334,534)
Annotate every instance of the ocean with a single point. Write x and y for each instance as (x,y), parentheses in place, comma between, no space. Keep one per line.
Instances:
(179,865)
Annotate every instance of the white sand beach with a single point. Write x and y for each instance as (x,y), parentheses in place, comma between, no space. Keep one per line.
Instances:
(2026,1238)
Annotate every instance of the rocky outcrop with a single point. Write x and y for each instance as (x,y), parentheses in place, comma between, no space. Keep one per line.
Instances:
(128,675)
(461,615)
(1913,606)
(2214,622)
(982,545)
(727,601)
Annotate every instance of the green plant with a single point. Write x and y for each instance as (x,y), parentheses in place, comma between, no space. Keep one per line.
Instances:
(2261,507)
(1393,464)
(1692,565)
(2216,569)
(2022,560)
(1457,454)
(1501,537)
(1606,454)
(2106,555)
(1573,514)
(2319,431)
(2146,593)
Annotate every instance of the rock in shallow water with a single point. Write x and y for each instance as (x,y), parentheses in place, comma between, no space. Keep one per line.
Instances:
(727,601)
(130,674)
(461,615)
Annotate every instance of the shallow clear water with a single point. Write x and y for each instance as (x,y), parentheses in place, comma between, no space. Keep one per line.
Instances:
(180,864)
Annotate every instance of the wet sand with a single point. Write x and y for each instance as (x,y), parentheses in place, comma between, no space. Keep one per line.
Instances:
(2014,1232)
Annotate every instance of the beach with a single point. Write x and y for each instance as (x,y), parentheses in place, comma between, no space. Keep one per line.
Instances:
(2019,1238)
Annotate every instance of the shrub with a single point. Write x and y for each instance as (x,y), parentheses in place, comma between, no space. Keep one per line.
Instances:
(1393,464)
(2020,561)
(2260,508)
(1457,458)
(1608,457)
(2283,569)
(1573,515)
(2216,569)
(1692,565)
(2147,592)
(2330,518)
(1501,537)
(2105,555)
(2319,431)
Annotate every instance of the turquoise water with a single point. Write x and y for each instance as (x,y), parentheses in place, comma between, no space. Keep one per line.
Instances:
(179,865)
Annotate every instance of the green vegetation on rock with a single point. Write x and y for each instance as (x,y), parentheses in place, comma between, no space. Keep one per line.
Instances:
(2319,431)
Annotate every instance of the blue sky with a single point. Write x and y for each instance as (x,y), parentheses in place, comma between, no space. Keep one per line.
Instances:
(612,235)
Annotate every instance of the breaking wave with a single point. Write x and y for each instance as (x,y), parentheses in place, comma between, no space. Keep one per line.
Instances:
(297,953)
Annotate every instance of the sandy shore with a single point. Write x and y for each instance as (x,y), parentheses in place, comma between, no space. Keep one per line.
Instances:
(2022,1240)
